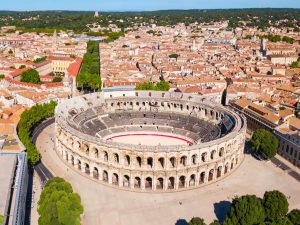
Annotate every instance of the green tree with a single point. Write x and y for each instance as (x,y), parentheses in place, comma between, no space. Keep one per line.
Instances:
(38,60)
(58,204)
(294,216)
(216,222)
(197,221)
(275,204)
(57,79)
(2,76)
(281,221)
(10,51)
(265,143)
(148,86)
(31,76)
(1,219)
(294,64)
(246,210)
(22,67)
(174,56)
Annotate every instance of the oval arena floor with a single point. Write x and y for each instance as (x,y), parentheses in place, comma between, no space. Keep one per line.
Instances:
(150,139)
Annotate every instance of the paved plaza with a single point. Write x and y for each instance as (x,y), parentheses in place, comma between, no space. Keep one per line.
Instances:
(104,205)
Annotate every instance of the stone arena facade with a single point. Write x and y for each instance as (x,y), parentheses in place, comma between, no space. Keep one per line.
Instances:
(217,135)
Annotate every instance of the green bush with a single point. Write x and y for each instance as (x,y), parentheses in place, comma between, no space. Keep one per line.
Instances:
(29,119)
(31,76)
(58,204)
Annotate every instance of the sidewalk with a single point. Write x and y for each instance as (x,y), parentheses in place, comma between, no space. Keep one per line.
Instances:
(287,166)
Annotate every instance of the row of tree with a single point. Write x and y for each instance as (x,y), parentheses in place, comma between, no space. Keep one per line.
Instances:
(272,209)
(89,75)
(160,86)
(277,38)
(29,119)
(58,204)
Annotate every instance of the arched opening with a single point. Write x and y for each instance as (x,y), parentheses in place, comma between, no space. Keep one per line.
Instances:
(173,162)
(202,178)
(148,183)
(232,164)
(213,155)
(105,156)
(181,183)
(67,156)
(219,171)
(126,181)
(105,176)
(221,152)
(226,168)
(161,162)
(127,160)
(192,180)
(183,160)
(150,162)
(96,153)
(87,168)
(171,183)
(77,145)
(139,161)
(115,179)
(86,149)
(72,160)
(160,184)
(137,182)
(116,158)
(194,159)
(79,164)
(211,175)
(96,173)
(203,156)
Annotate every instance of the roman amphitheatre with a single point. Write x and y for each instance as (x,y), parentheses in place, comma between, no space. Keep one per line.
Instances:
(149,141)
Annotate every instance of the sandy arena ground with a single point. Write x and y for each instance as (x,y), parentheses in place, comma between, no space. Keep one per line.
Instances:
(104,205)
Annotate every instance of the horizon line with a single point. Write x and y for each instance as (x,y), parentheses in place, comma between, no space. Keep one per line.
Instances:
(138,11)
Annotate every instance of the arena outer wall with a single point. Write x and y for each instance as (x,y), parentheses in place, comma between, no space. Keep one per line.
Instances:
(126,166)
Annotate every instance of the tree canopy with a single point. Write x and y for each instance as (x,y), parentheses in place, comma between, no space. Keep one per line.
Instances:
(31,76)
(265,143)
(197,221)
(89,75)
(58,204)
(57,79)
(29,119)
(246,210)
(160,86)
(276,205)
(294,216)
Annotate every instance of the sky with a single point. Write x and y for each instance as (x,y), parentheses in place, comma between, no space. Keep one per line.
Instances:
(141,5)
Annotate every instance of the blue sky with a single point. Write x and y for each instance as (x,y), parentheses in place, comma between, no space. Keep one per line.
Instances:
(125,5)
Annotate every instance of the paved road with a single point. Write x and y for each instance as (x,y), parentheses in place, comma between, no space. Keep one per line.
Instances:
(286,168)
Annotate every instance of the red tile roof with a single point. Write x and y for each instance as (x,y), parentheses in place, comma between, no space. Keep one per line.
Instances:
(74,68)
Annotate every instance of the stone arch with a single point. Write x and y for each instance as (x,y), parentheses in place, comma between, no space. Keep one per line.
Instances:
(213,154)
(127,160)
(219,171)
(183,160)
(115,179)
(139,161)
(72,160)
(86,149)
(232,164)
(160,183)
(116,158)
(194,159)
(96,173)
(181,183)
(77,145)
(150,162)
(204,156)
(202,178)
(105,176)
(71,141)
(96,152)
(87,168)
(211,175)
(161,161)
(171,183)
(192,181)
(148,183)
(226,168)
(105,156)
(126,181)
(78,164)
(137,182)
(172,162)
(221,152)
